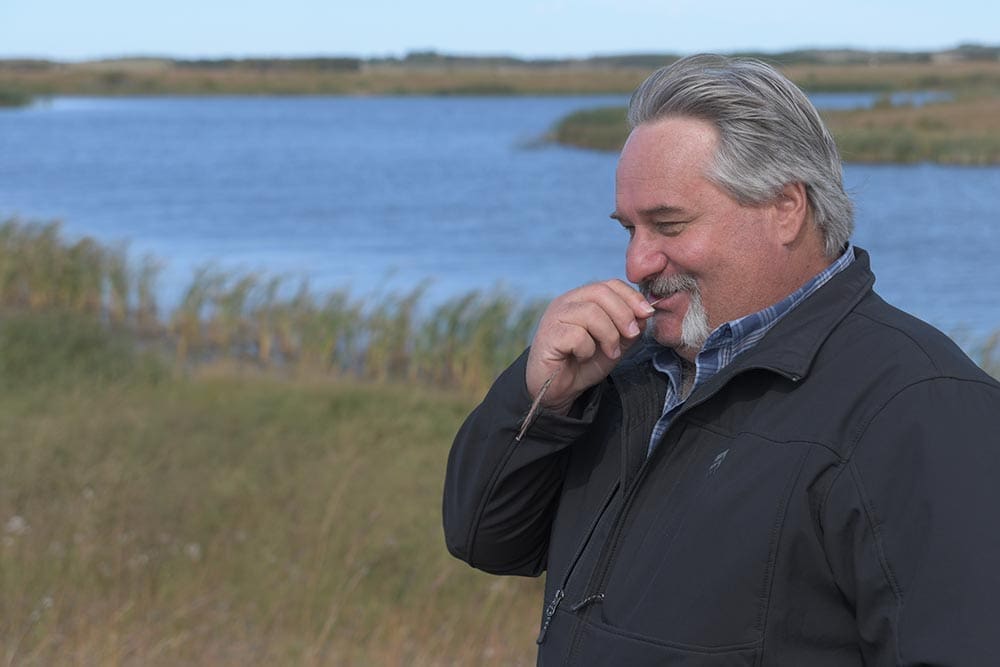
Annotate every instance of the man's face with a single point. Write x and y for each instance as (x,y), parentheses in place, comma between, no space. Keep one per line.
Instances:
(686,229)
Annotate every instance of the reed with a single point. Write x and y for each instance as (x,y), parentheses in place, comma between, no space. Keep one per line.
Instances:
(228,330)
(188,321)
(145,311)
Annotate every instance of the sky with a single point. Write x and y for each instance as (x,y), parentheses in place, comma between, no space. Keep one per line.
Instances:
(74,30)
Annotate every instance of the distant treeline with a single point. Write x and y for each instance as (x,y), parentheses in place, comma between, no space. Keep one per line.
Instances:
(434,73)
(961,53)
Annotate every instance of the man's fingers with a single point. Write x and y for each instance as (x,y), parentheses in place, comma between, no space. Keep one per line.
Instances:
(581,337)
(622,305)
(581,344)
(630,295)
(591,320)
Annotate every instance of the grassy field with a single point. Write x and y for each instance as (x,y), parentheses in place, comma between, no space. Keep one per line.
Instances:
(254,478)
(232,519)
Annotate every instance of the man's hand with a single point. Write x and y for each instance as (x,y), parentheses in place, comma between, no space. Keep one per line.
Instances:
(581,337)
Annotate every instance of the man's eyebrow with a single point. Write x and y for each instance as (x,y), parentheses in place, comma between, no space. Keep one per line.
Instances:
(652,213)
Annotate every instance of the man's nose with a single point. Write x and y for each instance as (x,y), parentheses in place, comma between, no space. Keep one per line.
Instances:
(644,258)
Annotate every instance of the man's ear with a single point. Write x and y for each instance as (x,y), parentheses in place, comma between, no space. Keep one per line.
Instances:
(791,213)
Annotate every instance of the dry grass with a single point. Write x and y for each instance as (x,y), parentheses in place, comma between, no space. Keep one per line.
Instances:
(236,521)
(966,131)
(128,79)
(896,76)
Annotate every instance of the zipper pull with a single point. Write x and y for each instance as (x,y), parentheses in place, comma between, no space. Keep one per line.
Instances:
(550,611)
(599,597)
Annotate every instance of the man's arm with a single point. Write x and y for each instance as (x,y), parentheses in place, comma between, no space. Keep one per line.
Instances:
(501,494)
(501,490)
(912,527)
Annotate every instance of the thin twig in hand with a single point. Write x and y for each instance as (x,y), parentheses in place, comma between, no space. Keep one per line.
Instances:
(533,410)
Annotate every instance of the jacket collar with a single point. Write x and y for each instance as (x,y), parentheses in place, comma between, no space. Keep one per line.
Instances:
(791,346)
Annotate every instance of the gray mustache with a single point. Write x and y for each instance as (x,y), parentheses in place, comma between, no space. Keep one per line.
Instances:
(662,286)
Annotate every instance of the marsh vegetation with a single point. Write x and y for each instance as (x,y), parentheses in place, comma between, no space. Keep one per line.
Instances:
(253,478)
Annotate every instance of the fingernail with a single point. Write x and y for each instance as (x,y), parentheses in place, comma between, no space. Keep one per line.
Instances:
(648,308)
(617,352)
(633,329)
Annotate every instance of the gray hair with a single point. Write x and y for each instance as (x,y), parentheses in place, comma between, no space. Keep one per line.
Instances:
(770,134)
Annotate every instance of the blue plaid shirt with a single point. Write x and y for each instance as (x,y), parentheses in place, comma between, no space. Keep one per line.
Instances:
(730,340)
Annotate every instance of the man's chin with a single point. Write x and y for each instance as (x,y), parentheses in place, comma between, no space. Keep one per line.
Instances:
(665,336)
(672,336)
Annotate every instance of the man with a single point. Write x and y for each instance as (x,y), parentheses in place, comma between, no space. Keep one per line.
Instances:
(784,470)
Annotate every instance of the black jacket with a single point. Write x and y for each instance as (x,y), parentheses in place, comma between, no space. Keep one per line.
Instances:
(829,498)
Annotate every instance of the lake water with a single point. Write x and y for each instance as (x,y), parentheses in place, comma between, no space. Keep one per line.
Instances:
(381,193)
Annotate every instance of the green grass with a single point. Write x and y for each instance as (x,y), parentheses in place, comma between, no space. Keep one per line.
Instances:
(603,128)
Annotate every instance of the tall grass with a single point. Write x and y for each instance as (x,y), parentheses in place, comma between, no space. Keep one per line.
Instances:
(237,521)
(263,323)
(150,517)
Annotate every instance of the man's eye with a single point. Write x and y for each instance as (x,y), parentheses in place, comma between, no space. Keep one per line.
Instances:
(669,228)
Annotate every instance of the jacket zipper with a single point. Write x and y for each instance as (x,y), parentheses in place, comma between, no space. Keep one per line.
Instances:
(557,597)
